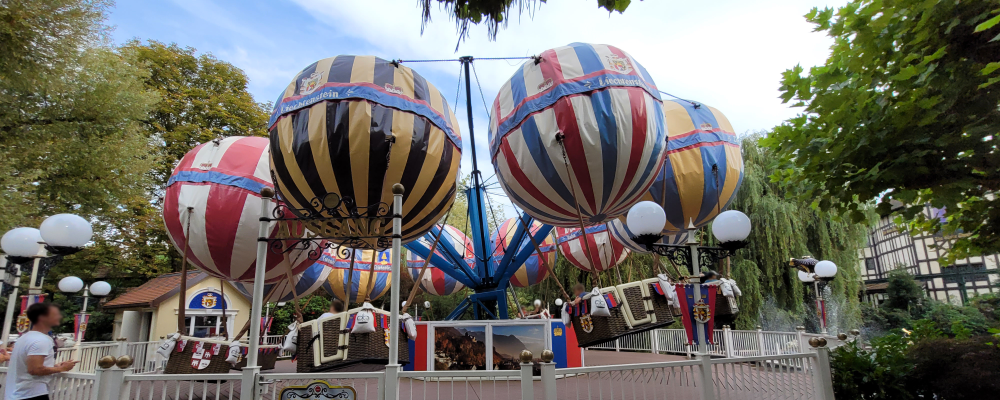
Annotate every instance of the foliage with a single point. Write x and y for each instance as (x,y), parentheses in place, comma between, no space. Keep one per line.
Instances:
(925,329)
(494,13)
(312,307)
(989,306)
(906,103)
(953,369)
(879,373)
(946,315)
(903,291)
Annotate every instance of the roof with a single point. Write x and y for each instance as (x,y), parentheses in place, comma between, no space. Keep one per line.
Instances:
(151,293)
(876,287)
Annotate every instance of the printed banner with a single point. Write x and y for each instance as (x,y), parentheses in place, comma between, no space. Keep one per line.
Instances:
(265,325)
(698,308)
(23,324)
(80,322)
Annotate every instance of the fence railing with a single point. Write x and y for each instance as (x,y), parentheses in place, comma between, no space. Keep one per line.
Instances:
(728,343)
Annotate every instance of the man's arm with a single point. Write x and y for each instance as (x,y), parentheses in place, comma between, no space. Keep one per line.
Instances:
(36,366)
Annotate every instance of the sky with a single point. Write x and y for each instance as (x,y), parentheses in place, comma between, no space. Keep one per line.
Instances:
(725,53)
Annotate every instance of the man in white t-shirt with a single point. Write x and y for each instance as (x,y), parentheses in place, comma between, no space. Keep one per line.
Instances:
(33,359)
(336,307)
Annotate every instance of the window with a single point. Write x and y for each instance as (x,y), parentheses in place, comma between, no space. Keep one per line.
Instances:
(870,263)
(966,272)
(204,326)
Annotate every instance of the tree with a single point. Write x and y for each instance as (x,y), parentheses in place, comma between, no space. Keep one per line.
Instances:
(904,109)
(70,114)
(493,13)
(903,291)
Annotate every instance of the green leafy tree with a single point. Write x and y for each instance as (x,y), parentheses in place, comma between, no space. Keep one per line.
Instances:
(903,292)
(907,104)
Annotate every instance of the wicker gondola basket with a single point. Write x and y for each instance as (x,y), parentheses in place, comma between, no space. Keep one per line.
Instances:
(267,356)
(180,362)
(640,309)
(336,347)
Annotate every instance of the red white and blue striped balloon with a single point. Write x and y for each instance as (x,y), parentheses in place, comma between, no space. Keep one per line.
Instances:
(688,188)
(221,180)
(435,281)
(533,271)
(303,284)
(601,249)
(608,112)
(621,233)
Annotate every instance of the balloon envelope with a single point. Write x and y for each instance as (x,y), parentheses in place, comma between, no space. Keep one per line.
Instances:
(601,249)
(366,263)
(534,270)
(435,281)
(704,167)
(302,284)
(622,234)
(357,125)
(221,181)
(578,135)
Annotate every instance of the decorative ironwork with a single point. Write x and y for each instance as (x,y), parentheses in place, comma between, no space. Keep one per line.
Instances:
(680,254)
(336,223)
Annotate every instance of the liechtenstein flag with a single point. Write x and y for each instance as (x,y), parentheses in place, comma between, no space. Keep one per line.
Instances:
(690,296)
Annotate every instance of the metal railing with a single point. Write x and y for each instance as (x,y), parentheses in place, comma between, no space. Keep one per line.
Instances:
(728,342)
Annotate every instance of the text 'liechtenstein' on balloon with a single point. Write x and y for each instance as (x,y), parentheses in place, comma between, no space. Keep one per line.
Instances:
(535,269)
(369,279)
(221,181)
(357,125)
(435,281)
(704,167)
(597,249)
(577,135)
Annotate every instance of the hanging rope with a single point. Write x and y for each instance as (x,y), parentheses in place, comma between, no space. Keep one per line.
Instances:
(222,290)
(579,214)
(545,263)
(246,326)
(181,307)
(371,277)
(427,262)
(350,281)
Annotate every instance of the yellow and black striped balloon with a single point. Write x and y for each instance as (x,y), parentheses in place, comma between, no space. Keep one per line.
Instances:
(356,125)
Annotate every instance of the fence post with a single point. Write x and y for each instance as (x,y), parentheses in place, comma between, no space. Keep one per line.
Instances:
(655,339)
(548,375)
(727,341)
(122,347)
(248,382)
(705,377)
(95,391)
(760,340)
(527,378)
(618,347)
(823,378)
(109,381)
(800,334)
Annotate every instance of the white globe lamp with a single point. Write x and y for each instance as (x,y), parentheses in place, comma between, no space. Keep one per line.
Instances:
(21,242)
(403,304)
(100,288)
(806,277)
(825,269)
(731,226)
(66,230)
(538,303)
(427,304)
(646,218)
(70,284)
(559,302)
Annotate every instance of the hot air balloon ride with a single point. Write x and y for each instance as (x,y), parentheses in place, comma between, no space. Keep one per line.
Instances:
(538,266)
(623,235)
(593,249)
(367,279)
(434,280)
(346,129)
(301,285)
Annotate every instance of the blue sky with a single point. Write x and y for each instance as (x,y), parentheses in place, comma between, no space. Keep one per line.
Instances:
(726,53)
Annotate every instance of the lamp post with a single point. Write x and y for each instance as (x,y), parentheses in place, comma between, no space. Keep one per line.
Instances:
(813,271)
(646,220)
(60,235)
(72,284)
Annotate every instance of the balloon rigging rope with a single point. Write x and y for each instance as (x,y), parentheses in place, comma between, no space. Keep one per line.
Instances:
(678,98)
(579,214)
(481,95)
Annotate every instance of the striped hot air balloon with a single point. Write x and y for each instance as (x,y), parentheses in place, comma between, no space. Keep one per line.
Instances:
(435,281)
(604,249)
(303,284)
(704,167)
(362,283)
(357,125)
(578,135)
(221,180)
(533,270)
(622,234)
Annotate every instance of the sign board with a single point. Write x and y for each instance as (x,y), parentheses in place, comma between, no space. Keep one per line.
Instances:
(318,390)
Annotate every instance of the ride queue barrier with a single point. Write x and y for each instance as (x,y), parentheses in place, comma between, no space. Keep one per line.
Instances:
(729,343)
(803,375)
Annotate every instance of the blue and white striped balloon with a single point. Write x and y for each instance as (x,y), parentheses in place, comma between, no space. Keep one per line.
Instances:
(621,232)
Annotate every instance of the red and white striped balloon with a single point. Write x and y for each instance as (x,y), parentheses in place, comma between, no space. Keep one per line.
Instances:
(604,249)
(435,281)
(221,180)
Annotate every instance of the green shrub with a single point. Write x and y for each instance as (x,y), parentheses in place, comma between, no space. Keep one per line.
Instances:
(953,369)
(879,373)
(945,315)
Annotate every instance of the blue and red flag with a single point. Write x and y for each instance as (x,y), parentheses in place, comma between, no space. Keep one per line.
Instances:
(689,296)
(611,300)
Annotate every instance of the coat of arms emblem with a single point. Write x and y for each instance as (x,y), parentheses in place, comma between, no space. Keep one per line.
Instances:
(23,324)
(386,337)
(310,83)
(702,312)
(587,323)
(209,300)
(619,64)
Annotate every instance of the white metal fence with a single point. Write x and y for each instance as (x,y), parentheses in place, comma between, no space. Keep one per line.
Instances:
(728,343)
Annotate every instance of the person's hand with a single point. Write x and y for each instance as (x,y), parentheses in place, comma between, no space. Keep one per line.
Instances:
(66,366)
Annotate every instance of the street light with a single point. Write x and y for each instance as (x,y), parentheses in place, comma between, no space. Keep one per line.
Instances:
(60,235)
(72,284)
(814,271)
(731,228)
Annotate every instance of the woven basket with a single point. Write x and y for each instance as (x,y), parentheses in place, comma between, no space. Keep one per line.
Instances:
(180,362)
(266,357)
(725,305)
(369,348)
(607,329)
(663,311)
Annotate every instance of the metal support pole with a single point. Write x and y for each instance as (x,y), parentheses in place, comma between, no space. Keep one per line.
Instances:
(548,380)
(250,371)
(392,370)
(819,307)
(823,379)
(705,381)
(693,246)
(11,299)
